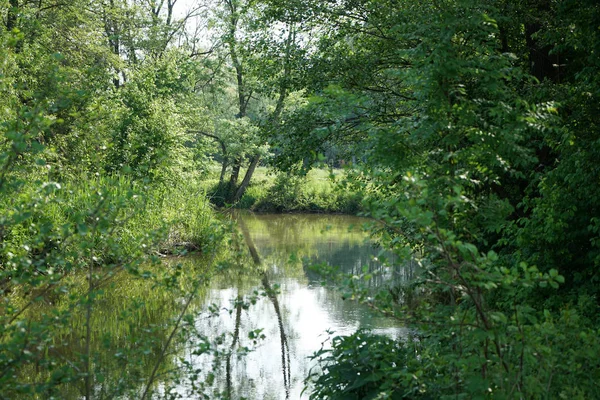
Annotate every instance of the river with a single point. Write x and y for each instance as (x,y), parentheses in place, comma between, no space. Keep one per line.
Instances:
(248,333)
(293,310)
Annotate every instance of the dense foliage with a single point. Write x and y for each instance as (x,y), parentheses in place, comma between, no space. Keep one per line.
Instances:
(470,128)
(94,191)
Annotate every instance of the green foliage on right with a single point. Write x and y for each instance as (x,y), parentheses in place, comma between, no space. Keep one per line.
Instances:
(474,133)
(365,372)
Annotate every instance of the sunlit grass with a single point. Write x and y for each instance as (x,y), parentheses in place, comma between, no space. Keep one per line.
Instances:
(273,191)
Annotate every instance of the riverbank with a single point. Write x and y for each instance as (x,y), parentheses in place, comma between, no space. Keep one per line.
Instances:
(90,306)
(84,212)
(319,191)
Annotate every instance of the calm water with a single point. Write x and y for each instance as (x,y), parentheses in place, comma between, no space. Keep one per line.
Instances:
(296,319)
(263,319)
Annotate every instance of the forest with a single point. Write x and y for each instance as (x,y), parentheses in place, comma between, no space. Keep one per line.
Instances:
(467,131)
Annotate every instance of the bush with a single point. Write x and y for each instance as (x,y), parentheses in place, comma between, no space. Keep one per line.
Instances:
(364,366)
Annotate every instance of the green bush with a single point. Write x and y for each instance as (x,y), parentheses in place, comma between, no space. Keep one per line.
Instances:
(364,366)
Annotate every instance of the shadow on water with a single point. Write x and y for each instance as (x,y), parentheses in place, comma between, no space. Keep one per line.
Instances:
(234,342)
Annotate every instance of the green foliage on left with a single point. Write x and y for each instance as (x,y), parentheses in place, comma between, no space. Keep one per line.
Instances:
(96,188)
(63,245)
(149,138)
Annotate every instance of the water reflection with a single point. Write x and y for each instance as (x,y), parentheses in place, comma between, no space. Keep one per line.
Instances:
(291,307)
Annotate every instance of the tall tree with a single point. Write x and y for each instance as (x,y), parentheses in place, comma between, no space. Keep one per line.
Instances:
(253,49)
(478,146)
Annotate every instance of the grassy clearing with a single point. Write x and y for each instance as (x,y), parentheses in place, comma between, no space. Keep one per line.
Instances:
(271,191)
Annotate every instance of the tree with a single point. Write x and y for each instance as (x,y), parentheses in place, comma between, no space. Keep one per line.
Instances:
(465,147)
(138,30)
(255,53)
(69,229)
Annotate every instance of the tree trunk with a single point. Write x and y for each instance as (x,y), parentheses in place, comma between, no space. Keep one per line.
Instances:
(225,162)
(246,181)
(11,18)
(224,165)
(503,38)
(233,179)
(542,64)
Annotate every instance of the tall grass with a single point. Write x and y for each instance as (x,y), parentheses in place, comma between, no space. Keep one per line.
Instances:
(143,218)
(183,212)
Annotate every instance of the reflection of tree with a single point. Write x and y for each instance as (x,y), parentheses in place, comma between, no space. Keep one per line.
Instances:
(271,294)
(285,350)
(272,261)
(293,231)
(322,239)
(236,336)
(133,314)
(284,240)
(356,259)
